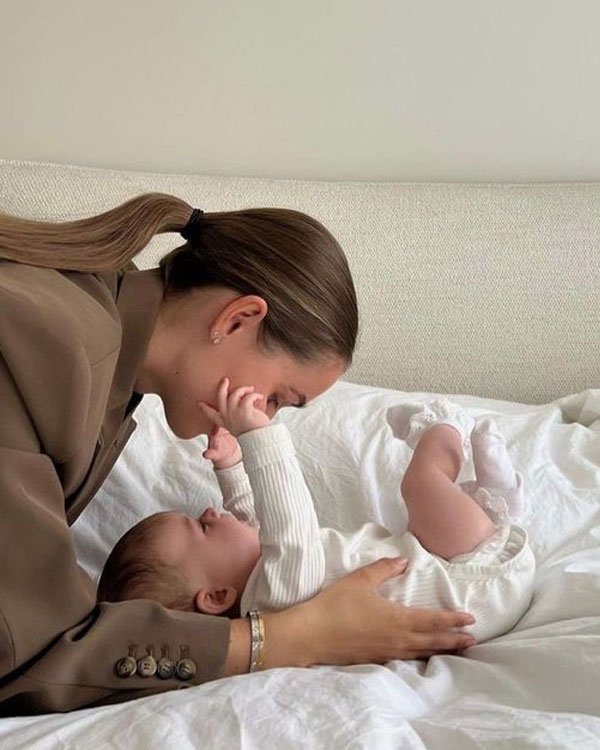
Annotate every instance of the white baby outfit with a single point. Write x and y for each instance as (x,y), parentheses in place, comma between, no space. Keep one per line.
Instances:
(493,583)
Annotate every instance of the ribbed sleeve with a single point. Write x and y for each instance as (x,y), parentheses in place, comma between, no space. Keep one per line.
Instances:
(292,565)
(237,493)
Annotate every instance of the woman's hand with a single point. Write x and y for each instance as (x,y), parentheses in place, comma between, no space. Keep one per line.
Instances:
(349,622)
(223,449)
(238,411)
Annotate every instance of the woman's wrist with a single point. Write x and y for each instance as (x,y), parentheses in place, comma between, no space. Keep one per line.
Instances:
(288,642)
(237,660)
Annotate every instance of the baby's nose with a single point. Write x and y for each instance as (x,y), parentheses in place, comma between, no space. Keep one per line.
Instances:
(209,514)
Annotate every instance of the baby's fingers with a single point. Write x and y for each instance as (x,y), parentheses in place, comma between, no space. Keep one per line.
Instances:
(236,396)
(222,394)
(211,414)
(213,435)
(439,620)
(250,402)
(424,646)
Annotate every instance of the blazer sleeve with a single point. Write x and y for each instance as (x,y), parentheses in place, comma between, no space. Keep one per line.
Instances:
(58,649)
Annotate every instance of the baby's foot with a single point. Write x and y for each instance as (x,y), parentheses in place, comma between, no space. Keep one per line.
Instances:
(409,421)
(493,466)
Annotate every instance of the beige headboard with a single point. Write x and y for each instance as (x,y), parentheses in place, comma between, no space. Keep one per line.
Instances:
(491,290)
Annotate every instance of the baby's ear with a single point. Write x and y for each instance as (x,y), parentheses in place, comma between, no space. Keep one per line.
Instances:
(215,601)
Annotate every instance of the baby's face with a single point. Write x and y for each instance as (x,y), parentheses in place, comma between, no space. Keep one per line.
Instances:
(213,550)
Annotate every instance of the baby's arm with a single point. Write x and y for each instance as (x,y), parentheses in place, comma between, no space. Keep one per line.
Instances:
(226,456)
(292,566)
(293,561)
(237,493)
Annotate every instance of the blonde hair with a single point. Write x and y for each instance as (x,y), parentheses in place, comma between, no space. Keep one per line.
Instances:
(286,257)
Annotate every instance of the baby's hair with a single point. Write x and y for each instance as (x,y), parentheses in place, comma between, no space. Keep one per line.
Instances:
(135,570)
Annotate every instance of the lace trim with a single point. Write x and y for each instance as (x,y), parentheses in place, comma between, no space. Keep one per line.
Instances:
(442,411)
(496,506)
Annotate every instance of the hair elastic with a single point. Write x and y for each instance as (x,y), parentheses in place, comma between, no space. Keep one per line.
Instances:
(194,226)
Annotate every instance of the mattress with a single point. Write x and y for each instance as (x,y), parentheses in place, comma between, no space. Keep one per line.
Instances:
(534,687)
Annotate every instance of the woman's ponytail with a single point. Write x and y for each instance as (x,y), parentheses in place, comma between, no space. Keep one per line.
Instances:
(286,257)
(105,242)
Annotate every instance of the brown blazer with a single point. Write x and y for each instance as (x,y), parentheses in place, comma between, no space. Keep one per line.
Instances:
(71,345)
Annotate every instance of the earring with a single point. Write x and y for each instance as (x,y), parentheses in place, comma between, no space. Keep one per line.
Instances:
(215,338)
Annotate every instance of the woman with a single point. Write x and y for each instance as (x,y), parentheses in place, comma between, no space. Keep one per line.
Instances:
(261,296)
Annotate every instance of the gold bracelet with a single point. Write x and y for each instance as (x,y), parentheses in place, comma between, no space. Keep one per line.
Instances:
(257,631)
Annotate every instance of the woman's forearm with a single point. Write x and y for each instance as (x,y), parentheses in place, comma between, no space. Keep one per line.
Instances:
(238,656)
(349,622)
(284,643)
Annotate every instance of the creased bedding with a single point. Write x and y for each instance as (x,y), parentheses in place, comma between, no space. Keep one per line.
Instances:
(535,687)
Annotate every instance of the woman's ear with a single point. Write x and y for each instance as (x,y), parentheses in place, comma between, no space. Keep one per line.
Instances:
(242,312)
(215,601)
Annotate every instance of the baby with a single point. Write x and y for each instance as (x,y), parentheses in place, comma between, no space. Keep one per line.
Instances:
(267,552)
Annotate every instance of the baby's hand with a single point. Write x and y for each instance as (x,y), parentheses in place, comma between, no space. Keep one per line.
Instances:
(223,449)
(237,411)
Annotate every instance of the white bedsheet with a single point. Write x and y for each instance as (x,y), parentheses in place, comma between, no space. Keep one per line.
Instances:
(535,687)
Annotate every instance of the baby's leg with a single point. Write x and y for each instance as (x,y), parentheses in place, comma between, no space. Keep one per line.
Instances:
(445,520)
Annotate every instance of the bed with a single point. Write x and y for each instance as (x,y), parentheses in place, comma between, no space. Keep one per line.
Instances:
(485,292)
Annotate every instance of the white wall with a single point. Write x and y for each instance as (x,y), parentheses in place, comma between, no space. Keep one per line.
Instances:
(335,89)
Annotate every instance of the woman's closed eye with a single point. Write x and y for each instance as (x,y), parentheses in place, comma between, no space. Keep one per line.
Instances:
(277,403)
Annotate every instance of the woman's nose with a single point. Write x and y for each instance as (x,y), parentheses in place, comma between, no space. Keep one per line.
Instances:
(209,514)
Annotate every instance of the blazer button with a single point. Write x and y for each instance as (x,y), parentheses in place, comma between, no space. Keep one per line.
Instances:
(185,669)
(146,666)
(165,669)
(125,667)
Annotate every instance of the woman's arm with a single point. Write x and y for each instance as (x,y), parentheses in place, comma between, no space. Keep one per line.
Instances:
(349,622)
(58,651)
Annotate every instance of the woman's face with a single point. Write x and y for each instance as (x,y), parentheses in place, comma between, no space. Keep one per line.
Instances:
(185,368)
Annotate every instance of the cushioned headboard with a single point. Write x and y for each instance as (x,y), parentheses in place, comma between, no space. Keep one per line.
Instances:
(490,290)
